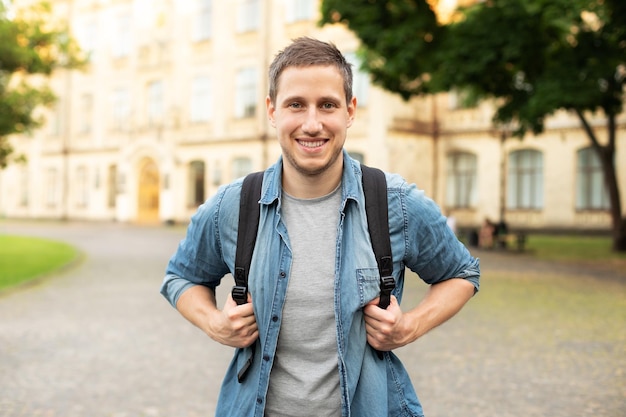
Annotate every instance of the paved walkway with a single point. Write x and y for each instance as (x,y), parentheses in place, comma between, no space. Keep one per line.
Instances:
(98,340)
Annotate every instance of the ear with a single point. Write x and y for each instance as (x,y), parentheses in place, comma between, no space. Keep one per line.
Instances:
(270,110)
(351,111)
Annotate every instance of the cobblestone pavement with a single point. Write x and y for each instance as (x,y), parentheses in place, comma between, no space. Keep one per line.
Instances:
(97,340)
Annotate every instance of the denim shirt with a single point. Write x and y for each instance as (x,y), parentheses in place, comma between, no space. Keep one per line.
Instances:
(420,241)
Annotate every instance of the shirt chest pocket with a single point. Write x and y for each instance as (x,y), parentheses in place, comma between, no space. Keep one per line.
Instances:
(368,281)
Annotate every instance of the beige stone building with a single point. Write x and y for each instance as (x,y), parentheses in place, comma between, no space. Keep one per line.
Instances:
(172,106)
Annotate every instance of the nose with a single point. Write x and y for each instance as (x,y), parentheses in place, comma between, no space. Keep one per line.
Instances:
(312,124)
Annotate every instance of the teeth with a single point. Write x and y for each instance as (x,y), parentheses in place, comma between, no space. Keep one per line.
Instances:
(315,144)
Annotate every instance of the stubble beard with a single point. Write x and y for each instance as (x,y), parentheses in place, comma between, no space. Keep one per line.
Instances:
(307,172)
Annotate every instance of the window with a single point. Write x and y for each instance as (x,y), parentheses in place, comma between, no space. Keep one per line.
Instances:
(155,103)
(461,186)
(241,167)
(120,105)
(248,15)
(80,182)
(201,100)
(52,183)
(591,193)
(55,120)
(360,80)
(298,10)
(202,26)
(196,184)
(121,36)
(88,36)
(111,186)
(525,180)
(86,108)
(245,93)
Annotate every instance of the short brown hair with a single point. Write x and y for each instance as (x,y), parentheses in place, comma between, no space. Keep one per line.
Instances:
(303,52)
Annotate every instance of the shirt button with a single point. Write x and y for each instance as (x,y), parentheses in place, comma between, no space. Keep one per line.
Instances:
(274,318)
(266,357)
(282,274)
(259,400)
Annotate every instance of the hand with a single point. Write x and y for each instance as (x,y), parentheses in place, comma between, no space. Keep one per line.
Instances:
(386,329)
(235,325)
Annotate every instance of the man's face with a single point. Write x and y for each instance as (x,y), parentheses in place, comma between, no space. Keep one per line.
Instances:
(311,118)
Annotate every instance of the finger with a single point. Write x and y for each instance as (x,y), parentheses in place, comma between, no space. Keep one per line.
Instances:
(374,302)
(373,312)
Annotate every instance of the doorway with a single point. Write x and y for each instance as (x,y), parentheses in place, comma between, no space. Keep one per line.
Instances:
(148,195)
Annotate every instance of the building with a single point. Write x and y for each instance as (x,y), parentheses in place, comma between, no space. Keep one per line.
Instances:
(172,106)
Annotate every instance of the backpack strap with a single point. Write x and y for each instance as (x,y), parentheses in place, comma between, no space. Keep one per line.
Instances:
(249,210)
(246,233)
(376,209)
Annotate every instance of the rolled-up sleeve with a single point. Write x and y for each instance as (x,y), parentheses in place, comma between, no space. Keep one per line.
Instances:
(433,250)
(198,259)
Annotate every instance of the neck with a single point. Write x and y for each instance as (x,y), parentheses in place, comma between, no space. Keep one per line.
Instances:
(300,185)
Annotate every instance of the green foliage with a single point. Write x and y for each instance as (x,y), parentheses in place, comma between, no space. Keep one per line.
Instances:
(32,45)
(533,57)
(25,258)
(398,37)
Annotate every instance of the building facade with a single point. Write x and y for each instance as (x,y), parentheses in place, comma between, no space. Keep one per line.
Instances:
(171,107)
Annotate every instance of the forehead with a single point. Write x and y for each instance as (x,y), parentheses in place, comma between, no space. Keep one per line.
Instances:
(314,79)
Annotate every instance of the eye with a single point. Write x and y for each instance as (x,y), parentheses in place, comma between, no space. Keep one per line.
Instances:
(295,105)
(329,106)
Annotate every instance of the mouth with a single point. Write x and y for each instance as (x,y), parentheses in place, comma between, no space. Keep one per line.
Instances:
(311,143)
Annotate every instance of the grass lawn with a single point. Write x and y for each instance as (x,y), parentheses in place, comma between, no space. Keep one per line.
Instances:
(590,250)
(25,258)
(572,247)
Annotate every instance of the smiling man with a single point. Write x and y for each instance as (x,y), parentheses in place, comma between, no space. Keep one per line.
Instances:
(312,325)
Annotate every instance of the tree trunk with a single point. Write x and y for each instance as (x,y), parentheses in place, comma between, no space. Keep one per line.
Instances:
(607,158)
(610,179)
(619,237)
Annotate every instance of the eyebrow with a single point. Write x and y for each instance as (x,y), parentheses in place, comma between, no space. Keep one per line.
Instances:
(322,99)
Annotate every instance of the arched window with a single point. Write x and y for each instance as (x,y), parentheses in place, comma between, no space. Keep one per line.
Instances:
(525,180)
(461,187)
(591,191)
(196,184)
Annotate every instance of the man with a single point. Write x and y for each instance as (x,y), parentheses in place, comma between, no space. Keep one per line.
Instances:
(312,313)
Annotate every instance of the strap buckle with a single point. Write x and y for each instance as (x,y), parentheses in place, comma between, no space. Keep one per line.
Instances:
(240,294)
(387,284)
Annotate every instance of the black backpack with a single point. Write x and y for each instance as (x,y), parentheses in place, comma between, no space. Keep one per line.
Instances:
(375,189)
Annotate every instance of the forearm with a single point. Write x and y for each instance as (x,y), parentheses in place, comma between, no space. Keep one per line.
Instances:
(442,301)
(197,304)
(233,325)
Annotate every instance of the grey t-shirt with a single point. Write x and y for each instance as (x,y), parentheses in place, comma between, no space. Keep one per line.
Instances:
(305,376)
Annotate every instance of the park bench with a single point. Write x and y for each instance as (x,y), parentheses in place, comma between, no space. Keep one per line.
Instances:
(511,240)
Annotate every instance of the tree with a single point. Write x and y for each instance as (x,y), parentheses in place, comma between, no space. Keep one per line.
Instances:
(32,46)
(532,57)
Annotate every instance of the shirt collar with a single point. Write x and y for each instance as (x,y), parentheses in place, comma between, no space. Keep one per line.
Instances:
(350,180)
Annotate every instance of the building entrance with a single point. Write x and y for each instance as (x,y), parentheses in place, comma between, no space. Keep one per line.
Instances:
(148,192)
